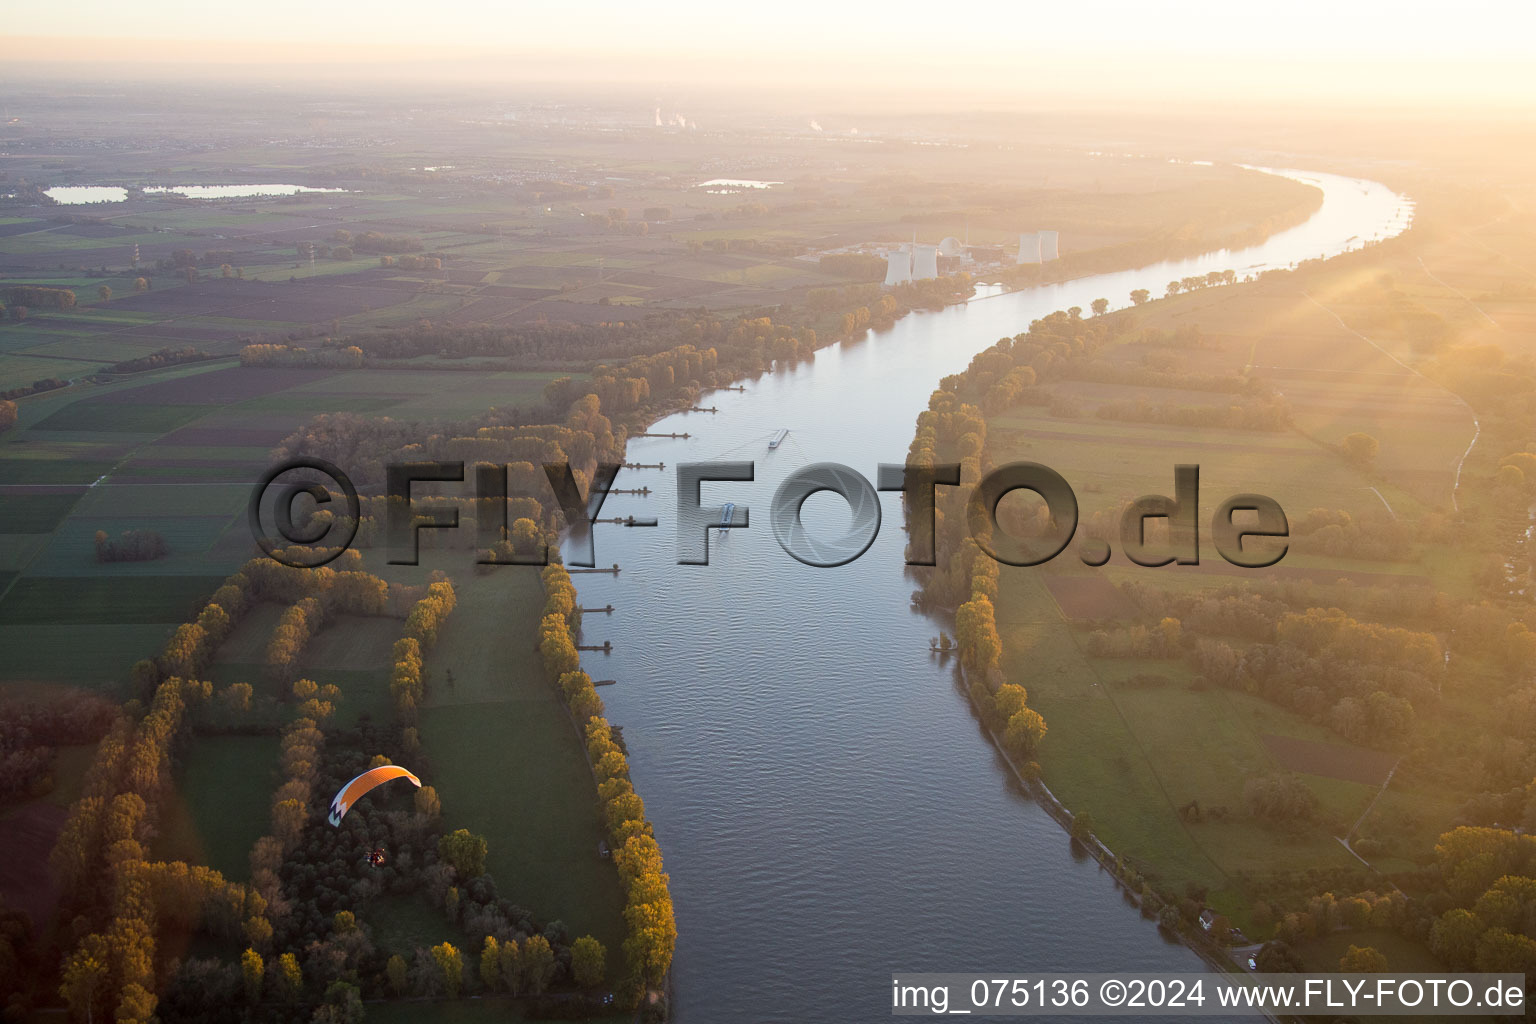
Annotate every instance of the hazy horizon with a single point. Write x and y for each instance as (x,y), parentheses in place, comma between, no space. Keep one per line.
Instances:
(1376,54)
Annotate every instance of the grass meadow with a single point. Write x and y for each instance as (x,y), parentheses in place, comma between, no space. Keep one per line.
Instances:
(1133,756)
(507,761)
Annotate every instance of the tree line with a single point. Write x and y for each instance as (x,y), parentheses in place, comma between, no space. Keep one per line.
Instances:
(261,354)
(60,300)
(159,359)
(120,901)
(406,685)
(31,730)
(950,431)
(37,387)
(652,929)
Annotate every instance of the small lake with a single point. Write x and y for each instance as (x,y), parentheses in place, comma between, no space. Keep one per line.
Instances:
(234,191)
(78,195)
(725,186)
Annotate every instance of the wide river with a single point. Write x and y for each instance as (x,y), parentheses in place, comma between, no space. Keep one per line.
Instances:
(827,806)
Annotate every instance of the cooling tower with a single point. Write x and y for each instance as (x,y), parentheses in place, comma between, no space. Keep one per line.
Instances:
(1029,247)
(925,262)
(1047,246)
(898,266)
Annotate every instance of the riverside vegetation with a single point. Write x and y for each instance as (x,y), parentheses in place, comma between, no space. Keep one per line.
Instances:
(1337,747)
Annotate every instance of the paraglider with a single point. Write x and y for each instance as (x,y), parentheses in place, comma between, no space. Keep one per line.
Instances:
(354,791)
(376,857)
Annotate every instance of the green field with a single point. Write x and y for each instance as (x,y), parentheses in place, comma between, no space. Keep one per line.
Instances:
(72,549)
(34,513)
(508,765)
(122,417)
(96,656)
(83,600)
(222,803)
(51,471)
(353,642)
(167,499)
(440,394)
(19,370)
(247,643)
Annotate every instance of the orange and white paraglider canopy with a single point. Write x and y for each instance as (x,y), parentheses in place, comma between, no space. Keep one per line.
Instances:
(353,791)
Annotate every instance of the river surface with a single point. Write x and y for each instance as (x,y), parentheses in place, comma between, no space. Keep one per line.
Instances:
(827,806)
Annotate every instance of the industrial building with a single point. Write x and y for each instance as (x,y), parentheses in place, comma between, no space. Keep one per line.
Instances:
(1038,247)
(911,262)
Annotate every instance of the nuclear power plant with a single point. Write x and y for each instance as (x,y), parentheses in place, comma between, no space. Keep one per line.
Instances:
(1038,247)
(911,262)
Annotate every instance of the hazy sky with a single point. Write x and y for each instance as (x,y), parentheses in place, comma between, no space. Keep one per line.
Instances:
(1481,48)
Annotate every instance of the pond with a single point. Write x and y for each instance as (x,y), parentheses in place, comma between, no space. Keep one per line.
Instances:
(78,195)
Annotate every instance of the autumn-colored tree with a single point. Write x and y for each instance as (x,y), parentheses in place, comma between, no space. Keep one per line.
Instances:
(136,1005)
(427,803)
(611,765)
(1023,733)
(511,969)
(538,964)
(976,631)
(258,932)
(288,818)
(652,927)
(465,851)
(186,651)
(254,972)
(428,615)
(290,978)
(624,807)
(526,537)
(1009,699)
(451,964)
(490,964)
(1472,859)
(104,293)
(396,971)
(557,647)
(1501,951)
(84,982)
(1510,903)
(1360,448)
(1363,960)
(589,962)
